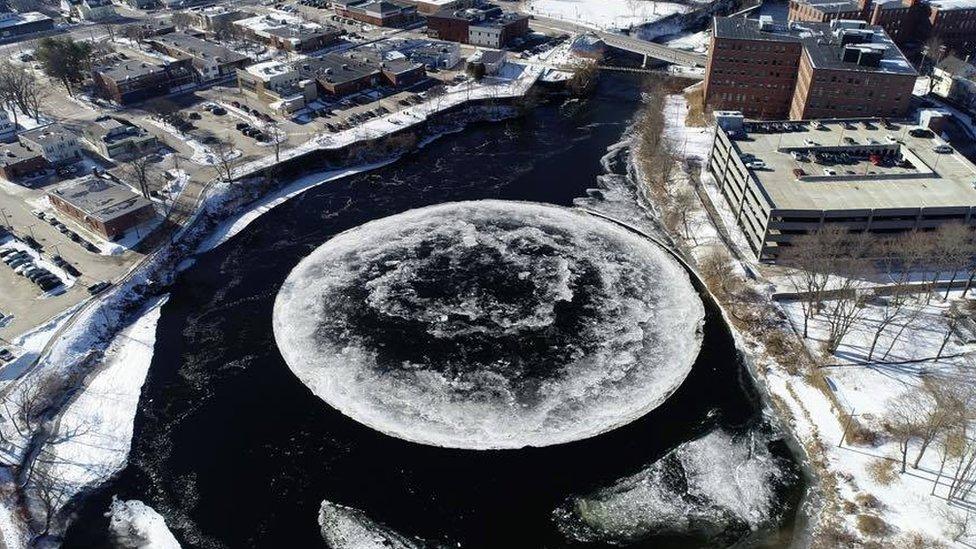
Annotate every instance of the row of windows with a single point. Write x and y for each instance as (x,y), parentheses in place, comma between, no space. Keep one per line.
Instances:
(772,47)
(777,74)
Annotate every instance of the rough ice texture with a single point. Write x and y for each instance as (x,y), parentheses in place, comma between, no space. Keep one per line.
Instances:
(490,324)
(348,528)
(716,485)
(135,525)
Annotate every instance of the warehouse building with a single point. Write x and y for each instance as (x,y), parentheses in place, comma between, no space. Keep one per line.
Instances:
(783,179)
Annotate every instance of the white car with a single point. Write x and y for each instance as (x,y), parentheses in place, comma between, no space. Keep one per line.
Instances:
(829,171)
(756,165)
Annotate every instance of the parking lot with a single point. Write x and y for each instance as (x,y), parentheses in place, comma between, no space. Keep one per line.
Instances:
(28,304)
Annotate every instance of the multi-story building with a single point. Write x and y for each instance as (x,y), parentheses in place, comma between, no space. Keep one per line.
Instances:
(485,26)
(287,32)
(277,85)
(382,13)
(787,179)
(211,61)
(396,69)
(952,22)
(101,206)
(133,80)
(15,26)
(806,70)
(54,141)
(117,138)
(955,80)
(18,161)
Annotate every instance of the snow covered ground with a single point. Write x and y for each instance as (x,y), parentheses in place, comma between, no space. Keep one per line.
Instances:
(135,525)
(102,415)
(606,14)
(695,41)
(870,390)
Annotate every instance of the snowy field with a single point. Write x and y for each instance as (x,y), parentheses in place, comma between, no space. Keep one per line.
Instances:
(606,14)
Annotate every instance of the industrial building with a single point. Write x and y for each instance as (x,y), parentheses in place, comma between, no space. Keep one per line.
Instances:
(799,71)
(14,26)
(783,179)
(486,26)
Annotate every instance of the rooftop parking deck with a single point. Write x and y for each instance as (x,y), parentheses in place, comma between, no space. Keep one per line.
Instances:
(855,165)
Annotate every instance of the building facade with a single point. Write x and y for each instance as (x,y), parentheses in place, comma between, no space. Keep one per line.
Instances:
(101,206)
(210,61)
(117,138)
(955,80)
(382,13)
(14,26)
(810,70)
(486,26)
(277,85)
(133,81)
(864,175)
(56,143)
(18,161)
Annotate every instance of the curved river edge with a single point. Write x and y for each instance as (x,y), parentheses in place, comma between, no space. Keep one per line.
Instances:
(220,217)
(73,358)
(810,510)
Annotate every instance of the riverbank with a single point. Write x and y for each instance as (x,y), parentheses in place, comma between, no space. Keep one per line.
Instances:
(75,359)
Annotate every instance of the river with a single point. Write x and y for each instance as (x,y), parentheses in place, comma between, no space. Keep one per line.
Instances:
(234,452)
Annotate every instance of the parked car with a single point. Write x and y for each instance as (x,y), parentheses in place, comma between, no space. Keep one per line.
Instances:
(194,116)
(921,132)
(829,171)
(942,149)
(97,288)
(6,355)
(756,165)
(242,126)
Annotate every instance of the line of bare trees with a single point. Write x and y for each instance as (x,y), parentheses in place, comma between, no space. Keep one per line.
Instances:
(20,91)
(839,273)
(659,161)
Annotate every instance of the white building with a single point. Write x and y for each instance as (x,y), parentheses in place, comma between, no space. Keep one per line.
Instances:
(955,80)
(96,10)
(57,144)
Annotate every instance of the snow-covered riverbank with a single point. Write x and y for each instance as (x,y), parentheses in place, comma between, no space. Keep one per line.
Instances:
(105,347)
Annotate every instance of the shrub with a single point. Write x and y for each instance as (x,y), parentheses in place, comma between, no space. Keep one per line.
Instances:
(883,471)
(871,525)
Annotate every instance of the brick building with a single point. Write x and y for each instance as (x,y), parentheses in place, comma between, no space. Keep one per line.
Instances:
(809,70)
(209,60)
(17,161)
(953,22)
(101,206)
(338,75)
(133,80)
(485,26)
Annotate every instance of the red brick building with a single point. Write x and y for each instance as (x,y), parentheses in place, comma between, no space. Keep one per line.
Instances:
(17,161)
(101,206)
(952,22)
(810,70)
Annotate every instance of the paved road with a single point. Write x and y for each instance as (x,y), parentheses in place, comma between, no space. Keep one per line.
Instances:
(628,43)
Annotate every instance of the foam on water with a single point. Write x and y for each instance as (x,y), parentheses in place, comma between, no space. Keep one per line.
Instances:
(717,485)
(490,324)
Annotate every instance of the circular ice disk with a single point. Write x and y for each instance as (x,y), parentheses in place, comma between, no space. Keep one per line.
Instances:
(490,324)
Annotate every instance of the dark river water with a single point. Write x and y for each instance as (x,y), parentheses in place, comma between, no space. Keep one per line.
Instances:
(235,452)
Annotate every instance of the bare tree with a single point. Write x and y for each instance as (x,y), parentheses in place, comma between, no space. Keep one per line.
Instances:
(277,137)
(225,159)
(953,248)
(141,171)
(944,409)
(810,260)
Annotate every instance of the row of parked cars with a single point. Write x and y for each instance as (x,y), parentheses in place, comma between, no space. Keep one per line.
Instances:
(63,229)
(251,132)
(253,112)
(24,264)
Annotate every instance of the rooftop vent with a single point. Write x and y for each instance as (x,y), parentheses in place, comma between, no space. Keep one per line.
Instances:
(766,22)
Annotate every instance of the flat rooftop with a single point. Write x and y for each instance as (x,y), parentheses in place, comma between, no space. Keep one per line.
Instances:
(936,179)
(827,44)
(101,199)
